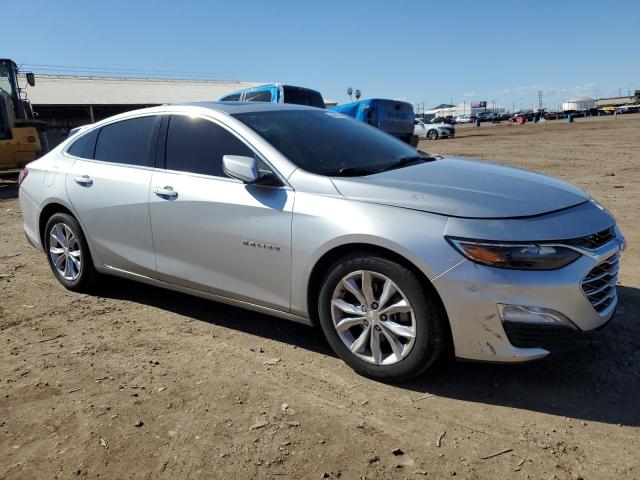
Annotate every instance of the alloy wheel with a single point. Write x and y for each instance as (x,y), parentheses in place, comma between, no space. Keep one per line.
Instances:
(64,251)
(373,317)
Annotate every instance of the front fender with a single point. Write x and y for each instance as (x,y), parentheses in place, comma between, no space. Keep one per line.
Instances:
(323,223)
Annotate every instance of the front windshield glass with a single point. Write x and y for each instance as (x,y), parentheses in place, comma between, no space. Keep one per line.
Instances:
(328,143)
(5,79)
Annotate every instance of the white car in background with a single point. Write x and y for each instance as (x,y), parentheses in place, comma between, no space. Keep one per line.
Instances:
(433,131)
(464,119)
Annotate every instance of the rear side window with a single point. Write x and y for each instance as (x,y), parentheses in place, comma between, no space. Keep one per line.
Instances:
(231,98)
(84,146)
(127,142)
(197,145)
(261,96)
(302,96)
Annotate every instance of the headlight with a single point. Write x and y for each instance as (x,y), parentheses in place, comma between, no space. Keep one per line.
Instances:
(520,256)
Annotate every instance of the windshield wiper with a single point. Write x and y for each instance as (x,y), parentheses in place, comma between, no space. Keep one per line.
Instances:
(408,160)
(355,171)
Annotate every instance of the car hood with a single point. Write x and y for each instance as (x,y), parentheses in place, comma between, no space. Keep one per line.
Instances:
(464,188)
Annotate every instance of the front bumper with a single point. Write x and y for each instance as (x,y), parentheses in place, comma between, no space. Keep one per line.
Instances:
(553,338)
(471,294)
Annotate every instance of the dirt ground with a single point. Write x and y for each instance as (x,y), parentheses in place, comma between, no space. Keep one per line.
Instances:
(137,382)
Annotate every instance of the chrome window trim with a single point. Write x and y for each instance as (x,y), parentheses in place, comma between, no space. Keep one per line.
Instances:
(65,150)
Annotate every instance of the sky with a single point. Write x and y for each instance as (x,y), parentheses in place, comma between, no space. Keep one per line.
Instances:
(424,51)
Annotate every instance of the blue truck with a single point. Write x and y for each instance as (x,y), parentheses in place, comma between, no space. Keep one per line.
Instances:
(391,116)
(277,93)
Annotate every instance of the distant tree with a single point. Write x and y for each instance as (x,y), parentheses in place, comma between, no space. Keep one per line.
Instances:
(358,94)
(350,93)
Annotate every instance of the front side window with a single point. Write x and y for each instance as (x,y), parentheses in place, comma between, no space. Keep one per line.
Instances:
(327,143)
(197,145)
(259,96)
(231,98)
(84,147)
(127,142)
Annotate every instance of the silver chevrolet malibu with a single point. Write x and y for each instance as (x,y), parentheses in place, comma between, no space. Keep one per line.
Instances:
(302,213)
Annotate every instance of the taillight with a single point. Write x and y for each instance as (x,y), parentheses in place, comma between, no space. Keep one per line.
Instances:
(23,174)
(31,139)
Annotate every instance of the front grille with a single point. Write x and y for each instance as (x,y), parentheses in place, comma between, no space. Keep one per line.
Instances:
(595,240)
(600,284)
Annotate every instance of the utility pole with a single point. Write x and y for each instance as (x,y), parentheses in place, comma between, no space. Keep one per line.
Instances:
(540,101)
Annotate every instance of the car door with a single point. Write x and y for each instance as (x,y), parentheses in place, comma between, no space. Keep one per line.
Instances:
(215,233)
(108,186)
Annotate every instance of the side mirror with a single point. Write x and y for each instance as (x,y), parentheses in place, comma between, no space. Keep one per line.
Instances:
(31,79)
(243,168)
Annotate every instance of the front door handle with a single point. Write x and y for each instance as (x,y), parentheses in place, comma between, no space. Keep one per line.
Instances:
(84,180)
(165,192)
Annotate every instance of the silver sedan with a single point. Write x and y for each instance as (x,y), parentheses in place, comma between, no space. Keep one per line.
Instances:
(306,214)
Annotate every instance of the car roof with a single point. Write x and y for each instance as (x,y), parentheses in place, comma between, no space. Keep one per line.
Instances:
(247,107)
(229,108)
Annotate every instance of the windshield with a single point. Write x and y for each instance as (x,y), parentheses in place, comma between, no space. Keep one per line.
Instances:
(5,79)
(302,96)
(328,143)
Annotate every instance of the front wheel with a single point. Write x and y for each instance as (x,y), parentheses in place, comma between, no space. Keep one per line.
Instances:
(432,134)
(379,318)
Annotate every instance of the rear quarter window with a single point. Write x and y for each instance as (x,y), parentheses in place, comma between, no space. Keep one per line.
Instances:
(84,147)
(127,141)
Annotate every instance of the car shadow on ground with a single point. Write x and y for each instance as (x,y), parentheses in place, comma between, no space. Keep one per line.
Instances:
(600,383)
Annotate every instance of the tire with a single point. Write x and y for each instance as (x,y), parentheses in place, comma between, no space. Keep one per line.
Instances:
(432,134)
(78,273)
(427,319)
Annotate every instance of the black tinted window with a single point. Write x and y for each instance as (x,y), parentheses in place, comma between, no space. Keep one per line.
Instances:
(127,141)
(262,96)
(303,96)
(231,98)
(84,146)
(197,145)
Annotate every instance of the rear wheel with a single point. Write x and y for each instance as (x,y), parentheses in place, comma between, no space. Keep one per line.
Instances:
(432,134)
(68,253)
(379,319)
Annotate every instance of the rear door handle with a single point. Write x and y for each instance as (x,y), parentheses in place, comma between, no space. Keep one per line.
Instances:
(165,192)
(84,180)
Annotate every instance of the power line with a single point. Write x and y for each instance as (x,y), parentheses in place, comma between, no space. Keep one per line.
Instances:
(85,70)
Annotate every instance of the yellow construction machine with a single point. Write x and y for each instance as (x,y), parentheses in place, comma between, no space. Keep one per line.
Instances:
(22,137)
